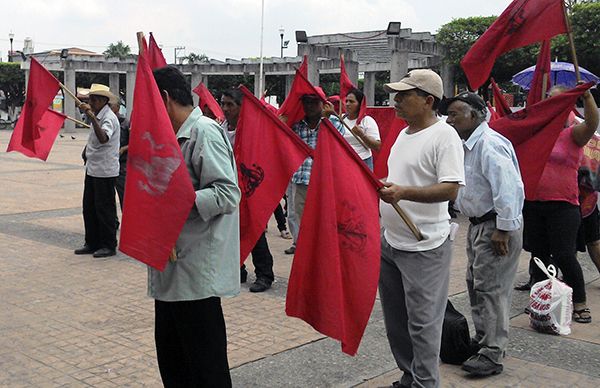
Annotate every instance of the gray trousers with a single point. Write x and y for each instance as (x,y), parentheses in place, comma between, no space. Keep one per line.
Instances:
(299,194)
(489,282)
(413,287)
(291,214)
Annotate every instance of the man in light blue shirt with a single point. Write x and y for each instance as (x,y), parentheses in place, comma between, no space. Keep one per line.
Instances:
(493,200)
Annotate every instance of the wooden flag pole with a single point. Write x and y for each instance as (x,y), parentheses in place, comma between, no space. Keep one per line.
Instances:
(78,122)
(70,93)
(571,43)
(353,134)
(411,225)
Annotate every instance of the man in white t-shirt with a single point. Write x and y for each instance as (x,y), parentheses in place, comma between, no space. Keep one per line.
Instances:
(425,172)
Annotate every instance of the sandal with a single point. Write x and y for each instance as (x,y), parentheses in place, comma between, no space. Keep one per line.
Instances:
(582,315)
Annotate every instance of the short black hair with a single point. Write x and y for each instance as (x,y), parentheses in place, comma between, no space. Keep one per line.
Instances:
(170,79)
(235,94)
(358,94)
(436,100)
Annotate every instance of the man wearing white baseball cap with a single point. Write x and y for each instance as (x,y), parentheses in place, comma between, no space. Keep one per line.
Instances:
(425,172)
(101,172)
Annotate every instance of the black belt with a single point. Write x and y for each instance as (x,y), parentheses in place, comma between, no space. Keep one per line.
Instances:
(486,217)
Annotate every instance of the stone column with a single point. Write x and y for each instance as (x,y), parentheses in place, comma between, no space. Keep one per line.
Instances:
(289,79)
(113,83)
(352,71)
(129,87)
(399,67)
(447,74)
(257,92)
(369,87)
(69,104)
(196,79)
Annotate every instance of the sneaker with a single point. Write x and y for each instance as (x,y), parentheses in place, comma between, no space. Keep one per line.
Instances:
(260,285)
(285,234)
(481,365)
(84,250)
(291,250)
(104,252)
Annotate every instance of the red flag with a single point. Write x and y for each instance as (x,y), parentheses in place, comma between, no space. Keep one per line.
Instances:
(534,130)
(335,272)
(267,153)
(207,101)
(502,108)
(47,127)
(389,128)
(538,87)
(346,86)
(159,190)
(493,114)
(155,57)
(292,106)
(522,23)
(42,86)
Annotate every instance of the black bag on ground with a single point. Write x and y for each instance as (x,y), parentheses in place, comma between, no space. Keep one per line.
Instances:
(456,340)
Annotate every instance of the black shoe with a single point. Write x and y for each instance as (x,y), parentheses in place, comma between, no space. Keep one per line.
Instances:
(84,250)
(398,384)
(291,250)
(481,365)
(526,286)
(260,285)
(105,252)
(243,276)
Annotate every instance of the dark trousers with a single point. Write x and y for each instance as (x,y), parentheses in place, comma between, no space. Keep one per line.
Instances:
(120,187)
(262,260)
(550,233)
(100,212)
(191,343)
(280,217)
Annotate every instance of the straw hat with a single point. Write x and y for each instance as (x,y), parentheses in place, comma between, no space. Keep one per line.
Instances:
(101,90)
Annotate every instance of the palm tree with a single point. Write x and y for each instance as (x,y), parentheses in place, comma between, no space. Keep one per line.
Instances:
(117,50)
(195,58)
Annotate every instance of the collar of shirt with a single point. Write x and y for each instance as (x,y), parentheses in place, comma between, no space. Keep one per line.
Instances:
(186,128)
(475,136)
(102,112)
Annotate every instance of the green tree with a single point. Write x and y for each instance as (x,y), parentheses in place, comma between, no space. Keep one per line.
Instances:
(195,58)
(117,50)
(585,21)
(12,83)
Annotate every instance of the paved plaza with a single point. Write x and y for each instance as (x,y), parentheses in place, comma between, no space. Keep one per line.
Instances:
(76,321)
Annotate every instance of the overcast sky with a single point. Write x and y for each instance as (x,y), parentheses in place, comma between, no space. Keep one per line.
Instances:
(218,28)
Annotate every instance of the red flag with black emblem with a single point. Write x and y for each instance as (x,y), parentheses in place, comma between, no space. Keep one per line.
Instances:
(335,272)
(159,189)
(267,153)
(539,87)
(346,86)
(292,108)
(207,101)
(155,57)
(522,23)
(502,108)
(38,126)
(533,132)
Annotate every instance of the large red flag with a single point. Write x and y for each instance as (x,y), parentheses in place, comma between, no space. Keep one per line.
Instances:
(292,106)
(389,128)
(539,87)
(522,23)
(30,132)
(335,272)
(502,108)
(159,190)
(155,57)
(346,86)
(207,101)
(534,130)
(493,114)
(267,153)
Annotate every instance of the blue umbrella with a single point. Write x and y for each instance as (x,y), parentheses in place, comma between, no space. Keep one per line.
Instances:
(561,73)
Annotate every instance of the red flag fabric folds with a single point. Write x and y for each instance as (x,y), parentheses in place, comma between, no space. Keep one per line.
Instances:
(537,89)
(155,57)
(502,108)
(207,101)
(37,126)
(267,153)
(335,272)
(534,130)
(346,86)
(522,23)
(389,128)
(159,189)
(493,114)
(292,106)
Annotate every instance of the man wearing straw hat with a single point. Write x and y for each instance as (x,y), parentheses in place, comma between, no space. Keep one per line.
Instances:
(101,172)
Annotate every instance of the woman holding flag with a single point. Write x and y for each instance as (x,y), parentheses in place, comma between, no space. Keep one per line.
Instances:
(365,128)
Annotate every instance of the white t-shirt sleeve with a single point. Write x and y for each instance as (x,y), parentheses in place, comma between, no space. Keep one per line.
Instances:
(450,158)
(371,128)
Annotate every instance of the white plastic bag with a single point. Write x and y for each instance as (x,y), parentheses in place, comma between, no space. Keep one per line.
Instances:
(550,303)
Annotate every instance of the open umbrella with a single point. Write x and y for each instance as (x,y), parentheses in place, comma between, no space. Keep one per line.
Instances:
(561,73)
